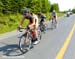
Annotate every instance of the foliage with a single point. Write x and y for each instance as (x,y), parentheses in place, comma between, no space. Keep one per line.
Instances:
(55,7)
(73,10)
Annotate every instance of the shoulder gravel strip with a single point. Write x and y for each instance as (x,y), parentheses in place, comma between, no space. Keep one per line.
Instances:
(9,34)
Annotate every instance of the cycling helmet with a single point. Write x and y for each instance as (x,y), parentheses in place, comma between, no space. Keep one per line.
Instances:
(39,13)
(53,10)
(26,11)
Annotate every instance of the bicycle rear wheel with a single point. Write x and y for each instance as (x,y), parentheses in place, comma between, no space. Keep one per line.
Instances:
(42,28)
(25,43)
(39,35)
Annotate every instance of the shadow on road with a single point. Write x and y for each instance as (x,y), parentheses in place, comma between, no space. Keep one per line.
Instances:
(10,50)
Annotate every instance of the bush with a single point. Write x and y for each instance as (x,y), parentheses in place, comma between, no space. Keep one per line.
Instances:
(73,10)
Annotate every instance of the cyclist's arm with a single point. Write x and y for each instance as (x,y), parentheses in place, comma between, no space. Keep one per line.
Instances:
(22,21)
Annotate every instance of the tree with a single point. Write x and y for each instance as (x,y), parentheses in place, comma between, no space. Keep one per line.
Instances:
(55,6)
(45,6)
(73,10)
(17,6)
(1,6)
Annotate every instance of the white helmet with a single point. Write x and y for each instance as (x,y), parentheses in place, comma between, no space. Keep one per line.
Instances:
(53,10)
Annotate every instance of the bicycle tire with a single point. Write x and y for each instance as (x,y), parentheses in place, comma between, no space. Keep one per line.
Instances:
(39,35)
(23,45)
(42,28)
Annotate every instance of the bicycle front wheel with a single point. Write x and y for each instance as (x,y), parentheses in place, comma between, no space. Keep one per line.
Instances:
(25,43)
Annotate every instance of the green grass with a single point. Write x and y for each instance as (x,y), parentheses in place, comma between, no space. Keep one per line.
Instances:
(60,14)
(11,22)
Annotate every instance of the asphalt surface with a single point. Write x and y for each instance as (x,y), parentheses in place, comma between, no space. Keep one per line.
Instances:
(51,43)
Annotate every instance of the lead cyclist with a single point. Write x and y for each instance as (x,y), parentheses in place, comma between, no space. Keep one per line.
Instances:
(33,23)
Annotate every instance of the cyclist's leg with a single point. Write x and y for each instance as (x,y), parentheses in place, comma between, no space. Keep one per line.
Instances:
(55,24)
(55,19)
(44,25)
(36,35)
(52,20)
(35,31)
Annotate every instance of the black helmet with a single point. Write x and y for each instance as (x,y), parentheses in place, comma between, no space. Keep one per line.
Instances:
(26,11)
(39,13)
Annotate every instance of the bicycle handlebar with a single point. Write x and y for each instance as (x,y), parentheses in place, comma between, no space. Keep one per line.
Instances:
(19,28)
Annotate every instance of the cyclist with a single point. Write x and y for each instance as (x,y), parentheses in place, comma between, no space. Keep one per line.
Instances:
(54,16)
(33,23)
(42,18)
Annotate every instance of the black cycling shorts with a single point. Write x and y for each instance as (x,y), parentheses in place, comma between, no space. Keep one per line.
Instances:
(54,16)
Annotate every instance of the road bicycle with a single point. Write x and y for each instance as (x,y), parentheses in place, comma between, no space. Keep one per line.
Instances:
(25,41)
(53,25)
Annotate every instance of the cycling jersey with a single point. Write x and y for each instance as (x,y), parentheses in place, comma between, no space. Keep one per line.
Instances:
(31,20)
(43,18)
(54,14)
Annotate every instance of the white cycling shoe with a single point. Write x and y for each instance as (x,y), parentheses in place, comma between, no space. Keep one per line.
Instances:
(36,42)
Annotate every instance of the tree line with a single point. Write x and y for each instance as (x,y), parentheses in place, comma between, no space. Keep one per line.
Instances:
(73,10)
(17,6)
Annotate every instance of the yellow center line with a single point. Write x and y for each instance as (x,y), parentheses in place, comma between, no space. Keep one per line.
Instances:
(66,43)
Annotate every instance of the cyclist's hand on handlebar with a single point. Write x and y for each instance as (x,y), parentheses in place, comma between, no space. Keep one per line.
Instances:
(28,27)
(19,27)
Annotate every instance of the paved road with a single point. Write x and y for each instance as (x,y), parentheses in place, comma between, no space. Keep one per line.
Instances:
(50,45)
